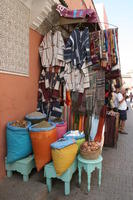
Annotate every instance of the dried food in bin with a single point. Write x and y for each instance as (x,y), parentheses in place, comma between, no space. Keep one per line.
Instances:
(20,123)
(35,114)
(43,124)
(90,150)
(89,146)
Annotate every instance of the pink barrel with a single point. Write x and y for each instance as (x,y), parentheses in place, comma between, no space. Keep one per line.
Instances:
(61,129)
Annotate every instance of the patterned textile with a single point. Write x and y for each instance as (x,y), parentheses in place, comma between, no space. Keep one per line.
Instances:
(75,79)
(51,50)
(113,74)
(78,48)
(56,110)
(95,47)
(49,91)
(90,93)
(89,13)
(100,91)
(111,50)
(98,106)
(100,85)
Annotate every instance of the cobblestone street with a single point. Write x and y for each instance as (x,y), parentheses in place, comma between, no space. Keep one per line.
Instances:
(117,176)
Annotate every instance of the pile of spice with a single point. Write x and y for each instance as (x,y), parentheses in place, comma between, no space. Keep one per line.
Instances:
(43,124)
(89,146)
(20,123)
(35,114)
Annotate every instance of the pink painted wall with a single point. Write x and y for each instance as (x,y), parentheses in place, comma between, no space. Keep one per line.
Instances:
(75,4)
(105,19)
(79,4)
(18,95)
(89,4)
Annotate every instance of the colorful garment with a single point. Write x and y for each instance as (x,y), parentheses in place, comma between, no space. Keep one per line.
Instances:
(95,47)
(49,92)
(52,50)
(76,80)
(77,48)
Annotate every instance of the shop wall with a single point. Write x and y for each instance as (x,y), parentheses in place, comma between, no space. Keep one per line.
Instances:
(89,4)
(105,19)
(79,4)
(18,95)
(75,4)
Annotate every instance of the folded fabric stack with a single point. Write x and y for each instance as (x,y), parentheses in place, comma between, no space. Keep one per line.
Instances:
(74,135)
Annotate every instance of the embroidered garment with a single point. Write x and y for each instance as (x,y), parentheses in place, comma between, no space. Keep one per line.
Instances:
(111,50)
(50,91)
(77,48)
(52,50)
(75,79)
(95,47)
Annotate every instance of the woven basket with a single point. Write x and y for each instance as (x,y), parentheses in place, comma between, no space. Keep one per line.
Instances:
(91,155)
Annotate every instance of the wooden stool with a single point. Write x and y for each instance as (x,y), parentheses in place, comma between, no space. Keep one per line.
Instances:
(24,166)
(89,166)
(49,173)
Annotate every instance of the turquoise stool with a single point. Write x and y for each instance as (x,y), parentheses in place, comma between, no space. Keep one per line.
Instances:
(89,166)
(49,173)
(23,166)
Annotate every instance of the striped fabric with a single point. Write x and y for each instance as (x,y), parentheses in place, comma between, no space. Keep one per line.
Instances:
(100,91)
(78,48)
(52,50)
(89,13)
(75,79)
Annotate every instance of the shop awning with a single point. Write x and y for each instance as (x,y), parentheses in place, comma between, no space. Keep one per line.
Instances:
(89,14)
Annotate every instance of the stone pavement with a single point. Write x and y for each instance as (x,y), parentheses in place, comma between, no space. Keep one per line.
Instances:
(117,178)
(15,189)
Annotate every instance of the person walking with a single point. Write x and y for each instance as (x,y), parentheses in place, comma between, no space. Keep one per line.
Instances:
(122,109)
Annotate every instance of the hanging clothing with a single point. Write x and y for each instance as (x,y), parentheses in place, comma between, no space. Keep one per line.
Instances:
(100,91)
(49,93)
(75,79)
(111,50)
(100,85)
(95,47)
(52,50)
(55,110)
(77,48)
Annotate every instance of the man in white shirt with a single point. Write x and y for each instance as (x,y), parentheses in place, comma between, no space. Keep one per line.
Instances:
(122,109)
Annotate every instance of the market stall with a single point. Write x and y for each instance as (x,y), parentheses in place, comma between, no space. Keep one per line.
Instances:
(78,61)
